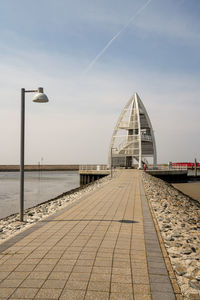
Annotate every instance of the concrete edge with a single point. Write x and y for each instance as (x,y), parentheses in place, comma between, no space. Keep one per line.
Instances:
(170,270)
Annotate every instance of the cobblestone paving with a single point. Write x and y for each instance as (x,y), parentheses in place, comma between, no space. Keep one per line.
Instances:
(97,249)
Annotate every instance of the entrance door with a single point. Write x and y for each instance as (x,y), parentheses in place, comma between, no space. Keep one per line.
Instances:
(129,162)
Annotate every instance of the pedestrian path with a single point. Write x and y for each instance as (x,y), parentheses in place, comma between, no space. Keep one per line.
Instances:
(104,247)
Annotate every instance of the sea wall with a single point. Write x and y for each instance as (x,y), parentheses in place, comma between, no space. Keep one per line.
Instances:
(39,167)
(178,218)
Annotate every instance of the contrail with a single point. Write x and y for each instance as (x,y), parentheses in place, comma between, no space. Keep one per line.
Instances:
(91,64)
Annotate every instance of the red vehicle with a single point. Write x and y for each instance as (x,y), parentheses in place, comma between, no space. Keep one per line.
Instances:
(185,164)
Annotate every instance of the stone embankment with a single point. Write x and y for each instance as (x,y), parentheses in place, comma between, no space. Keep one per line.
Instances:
(10,225)
(178,218)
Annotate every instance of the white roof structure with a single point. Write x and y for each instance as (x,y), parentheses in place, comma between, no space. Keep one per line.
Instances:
(133,136)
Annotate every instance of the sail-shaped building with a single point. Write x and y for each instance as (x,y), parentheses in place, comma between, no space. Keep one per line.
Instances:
(133,137)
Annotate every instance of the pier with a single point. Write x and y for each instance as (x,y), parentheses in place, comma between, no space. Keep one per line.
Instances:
(104,246)
(91,173)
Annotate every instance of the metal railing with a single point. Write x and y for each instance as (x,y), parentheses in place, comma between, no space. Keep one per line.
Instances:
(93,167)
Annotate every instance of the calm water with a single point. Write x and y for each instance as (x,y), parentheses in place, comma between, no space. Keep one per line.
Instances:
(191,189)
(39,187)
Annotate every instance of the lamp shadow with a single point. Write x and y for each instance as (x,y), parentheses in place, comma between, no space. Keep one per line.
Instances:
(91,220)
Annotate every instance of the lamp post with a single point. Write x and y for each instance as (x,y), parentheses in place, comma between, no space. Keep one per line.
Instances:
(40,97)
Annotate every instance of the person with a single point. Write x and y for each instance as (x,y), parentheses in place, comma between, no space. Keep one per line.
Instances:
(145,167)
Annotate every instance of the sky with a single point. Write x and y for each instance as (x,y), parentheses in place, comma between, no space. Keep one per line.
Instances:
(91,56)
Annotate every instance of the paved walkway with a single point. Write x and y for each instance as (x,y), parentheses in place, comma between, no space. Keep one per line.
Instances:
(99,248)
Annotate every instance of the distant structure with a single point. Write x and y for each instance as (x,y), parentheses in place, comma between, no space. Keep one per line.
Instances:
(133,137)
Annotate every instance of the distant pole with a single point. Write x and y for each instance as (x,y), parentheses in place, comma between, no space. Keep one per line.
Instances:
(21,214)
(39,170)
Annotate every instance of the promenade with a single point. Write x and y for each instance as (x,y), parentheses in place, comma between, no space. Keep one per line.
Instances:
(103,247)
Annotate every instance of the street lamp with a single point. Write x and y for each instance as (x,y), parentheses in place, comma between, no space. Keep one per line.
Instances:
(40,97)
(111,149)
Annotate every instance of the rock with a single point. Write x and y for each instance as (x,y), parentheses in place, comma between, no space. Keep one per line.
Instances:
(167,226)
(169,238)
(177,234)
(195,284)
(186,250)
(180,269)
(192,221)
(194,296)
(196,274)
(30,214)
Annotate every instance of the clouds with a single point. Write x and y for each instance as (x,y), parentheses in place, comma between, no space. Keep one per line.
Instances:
(157,56)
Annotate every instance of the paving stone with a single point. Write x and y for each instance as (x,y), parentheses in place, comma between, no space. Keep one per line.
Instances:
(141,289)
(76,285)
(79,276)
(163,296)
(18,275)
(121,296)
(161,287)
(38,275)
(24,293)
(121,271)
(24,268)
(6,268)
(63,268)
(48,293)
(142,297)
(124,288)
(100,277)
(43,268)
(72,295)
(54,284)
(121,278)
(3,275)
(11,283)
(84,262)
(6,292)
(103,270)
(93,295)
(159,279)
(59,275)
(32,283)
(101,286)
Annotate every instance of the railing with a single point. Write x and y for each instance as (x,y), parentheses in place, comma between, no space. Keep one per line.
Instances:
(131,139)
(145,137)
(179,167)
(93,167)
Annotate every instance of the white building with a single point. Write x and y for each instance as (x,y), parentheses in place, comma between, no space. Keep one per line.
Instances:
(133,137)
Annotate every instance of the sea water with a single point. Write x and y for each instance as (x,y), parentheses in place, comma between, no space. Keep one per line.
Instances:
(39,186)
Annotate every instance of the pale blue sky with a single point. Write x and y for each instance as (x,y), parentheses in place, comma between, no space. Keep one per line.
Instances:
(51,43)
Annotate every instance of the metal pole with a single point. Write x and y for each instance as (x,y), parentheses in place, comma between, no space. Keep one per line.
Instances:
(111,162)
(21,213)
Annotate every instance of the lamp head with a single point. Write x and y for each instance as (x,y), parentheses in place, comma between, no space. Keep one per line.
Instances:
(40,98)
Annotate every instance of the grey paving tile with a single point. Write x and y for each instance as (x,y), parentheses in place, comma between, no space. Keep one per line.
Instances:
(163,296)
(161,287)
(159,278)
